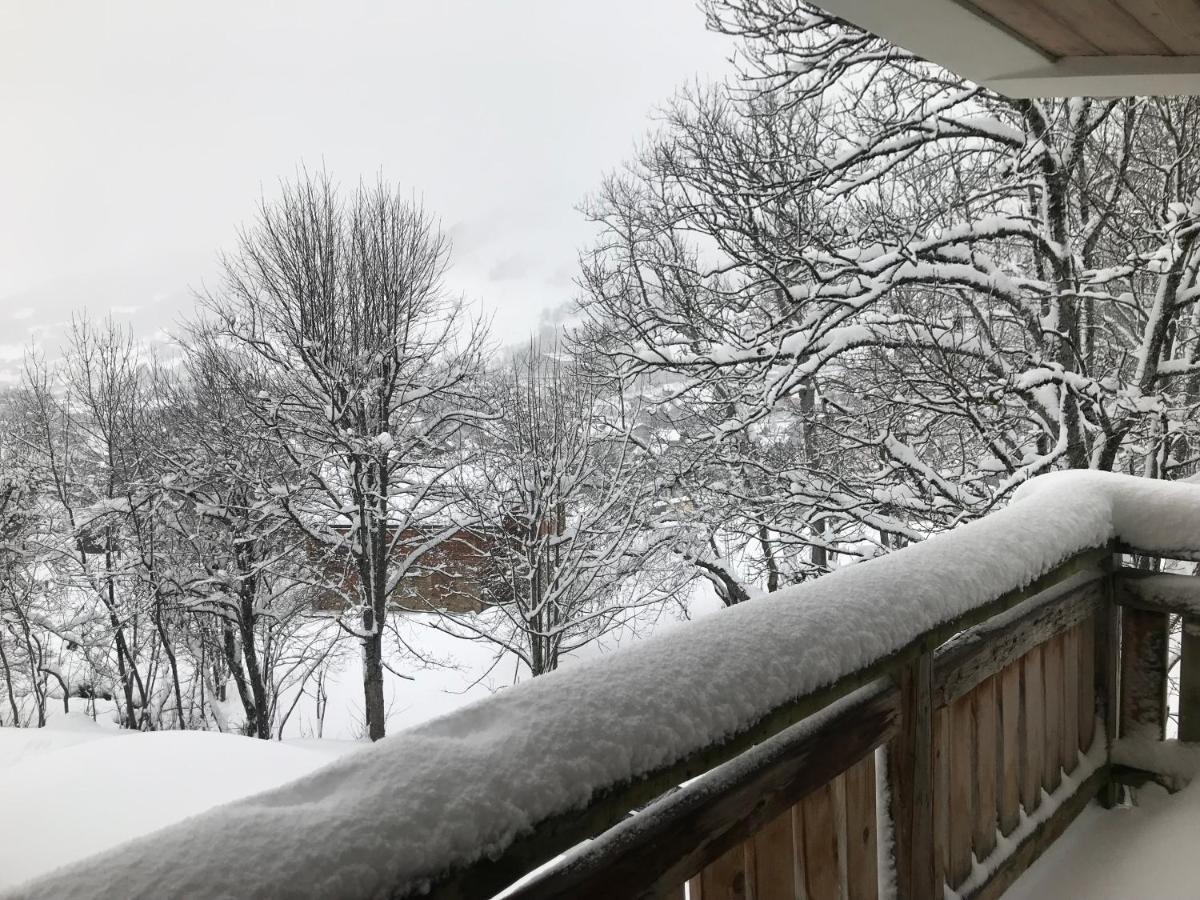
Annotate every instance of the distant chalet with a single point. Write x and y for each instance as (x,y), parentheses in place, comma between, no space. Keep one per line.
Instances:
(460,575)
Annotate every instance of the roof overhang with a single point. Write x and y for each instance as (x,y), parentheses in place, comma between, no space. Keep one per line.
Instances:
(1046,48)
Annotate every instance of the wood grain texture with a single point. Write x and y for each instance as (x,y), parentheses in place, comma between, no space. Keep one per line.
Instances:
(1107,664)
(1069,750)
(1009,750)
(910,783)
(986,649)
(1040,839)
(1033,729)
(822,845)
(725,877)
(941,794)
(1052,700)
(962,789)
(1087,683)
(1144,654)
(862,860)
(985,712)
(773,863)
(1189,679)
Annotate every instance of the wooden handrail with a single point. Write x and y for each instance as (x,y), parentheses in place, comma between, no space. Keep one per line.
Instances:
(555,835)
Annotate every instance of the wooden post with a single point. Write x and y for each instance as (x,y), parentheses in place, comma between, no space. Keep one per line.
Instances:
(910,777)
(1143,674)
(1189,680)
(1106,675)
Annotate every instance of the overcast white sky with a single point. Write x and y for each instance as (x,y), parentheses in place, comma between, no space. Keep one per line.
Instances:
(138,135)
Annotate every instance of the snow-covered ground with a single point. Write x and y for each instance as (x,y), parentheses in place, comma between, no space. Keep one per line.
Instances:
(1146,850)
(80,785)
(75,788)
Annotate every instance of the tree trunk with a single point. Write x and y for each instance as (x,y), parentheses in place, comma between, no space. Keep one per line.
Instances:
(373,682)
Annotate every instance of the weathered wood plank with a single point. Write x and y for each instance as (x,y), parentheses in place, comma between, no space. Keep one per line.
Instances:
(1033,728)
(1069,751)
(1144,655)
(941,794)
(1009,756)
(695,888)
(986,649)
(696,825)
(1087,683)
(862,861)
(1189,679)
(985,710)
(910,779)
(1052,674)
(1107,676)
(822,857)
(798,876)
(962,789)
(774,864)
(612,803)
(725,877)
(1039,839)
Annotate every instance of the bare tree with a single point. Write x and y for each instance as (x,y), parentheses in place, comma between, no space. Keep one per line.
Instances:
(369,372)
(933,292)
(566,484)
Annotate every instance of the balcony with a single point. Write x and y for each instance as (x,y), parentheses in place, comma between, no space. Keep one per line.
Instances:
(925,724)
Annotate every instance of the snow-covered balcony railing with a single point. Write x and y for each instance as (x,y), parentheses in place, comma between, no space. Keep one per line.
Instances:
(992,668)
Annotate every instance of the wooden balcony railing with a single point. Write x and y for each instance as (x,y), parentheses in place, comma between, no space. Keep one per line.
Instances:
(963,705)
(971,756)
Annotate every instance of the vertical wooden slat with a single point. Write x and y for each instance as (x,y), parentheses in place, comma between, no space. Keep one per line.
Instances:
(984,708)
(822,862)
(1008,759)
(1052,700)
(1087,683)
(862,862)
(962,789)
(1069,751)
(773,865)
(1033,728)
(725,877)
(1107,675)
(799,878)
(1143,674)
(839,826)
(695,887)
(941,795)
(910,781)
(1189,680)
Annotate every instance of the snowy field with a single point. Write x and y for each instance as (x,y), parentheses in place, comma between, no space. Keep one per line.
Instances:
(80,785)
(75,788)
(1143,850)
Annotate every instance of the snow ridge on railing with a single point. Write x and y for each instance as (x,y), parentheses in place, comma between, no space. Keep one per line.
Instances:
(464,786)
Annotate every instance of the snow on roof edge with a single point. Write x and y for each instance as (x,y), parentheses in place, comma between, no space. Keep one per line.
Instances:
(451,790)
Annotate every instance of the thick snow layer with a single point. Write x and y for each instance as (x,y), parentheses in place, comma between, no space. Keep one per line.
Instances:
(467,784)
(1145,850)
(1172,759)
(74,789)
